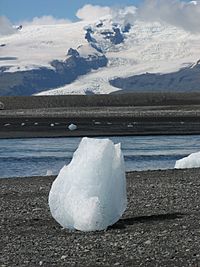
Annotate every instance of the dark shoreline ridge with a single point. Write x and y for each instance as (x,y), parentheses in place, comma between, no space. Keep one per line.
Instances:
(160,227)
(115,100)
(100,115)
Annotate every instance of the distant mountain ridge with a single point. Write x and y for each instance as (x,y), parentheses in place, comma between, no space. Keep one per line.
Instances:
(99,57)
(184,80)
(64,72)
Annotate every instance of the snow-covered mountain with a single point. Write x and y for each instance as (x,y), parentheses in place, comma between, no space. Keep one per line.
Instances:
(97,57)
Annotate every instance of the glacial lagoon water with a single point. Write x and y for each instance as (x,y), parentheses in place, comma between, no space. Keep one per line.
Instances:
(42,156)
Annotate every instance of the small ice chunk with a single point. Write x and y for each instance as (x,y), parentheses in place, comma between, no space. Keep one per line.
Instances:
(52,124)
(72,127)
(90,193)
(49,173)
(192,161)
(23,124)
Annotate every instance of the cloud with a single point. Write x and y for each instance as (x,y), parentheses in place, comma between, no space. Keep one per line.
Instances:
(6,27)
(124,15)
(121,15)
(45,20)
(178,13)
(92,12)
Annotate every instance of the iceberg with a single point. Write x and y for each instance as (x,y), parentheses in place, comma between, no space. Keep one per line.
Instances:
(192,161)
(72,127)
(89,194)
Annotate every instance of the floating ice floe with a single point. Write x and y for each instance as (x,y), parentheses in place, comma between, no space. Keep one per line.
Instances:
(72,127)
(90,193)
(192,161)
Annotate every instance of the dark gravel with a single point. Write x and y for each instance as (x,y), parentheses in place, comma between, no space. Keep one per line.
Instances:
(161,226)
(100,121)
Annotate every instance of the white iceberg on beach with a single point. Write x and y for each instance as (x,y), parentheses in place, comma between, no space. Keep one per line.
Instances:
(192,161)
(90,193)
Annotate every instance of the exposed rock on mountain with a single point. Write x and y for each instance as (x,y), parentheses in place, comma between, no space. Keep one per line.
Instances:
(73,52)
(88,36)
(186,79)
(63,72)
(126,28)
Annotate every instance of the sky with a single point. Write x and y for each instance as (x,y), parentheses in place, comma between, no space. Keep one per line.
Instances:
(22,10)
(179,13)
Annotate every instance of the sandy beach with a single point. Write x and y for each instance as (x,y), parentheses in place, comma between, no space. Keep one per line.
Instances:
(161,226)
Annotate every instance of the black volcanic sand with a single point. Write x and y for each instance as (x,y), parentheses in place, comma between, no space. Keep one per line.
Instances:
(99,121)
(161,226)
(48,127)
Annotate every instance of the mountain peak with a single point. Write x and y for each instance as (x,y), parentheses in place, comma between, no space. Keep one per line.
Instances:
(123,49)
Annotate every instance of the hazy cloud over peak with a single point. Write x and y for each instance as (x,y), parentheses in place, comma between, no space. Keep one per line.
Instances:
(6,26)
(117,15)
(45,20)
(178,13)
(93,12)
(124,15)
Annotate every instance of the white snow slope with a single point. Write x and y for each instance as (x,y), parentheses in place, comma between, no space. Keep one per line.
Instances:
(153,47)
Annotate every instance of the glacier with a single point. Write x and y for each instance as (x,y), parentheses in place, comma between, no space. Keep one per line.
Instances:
(192,161)
(89,194)
(144,48)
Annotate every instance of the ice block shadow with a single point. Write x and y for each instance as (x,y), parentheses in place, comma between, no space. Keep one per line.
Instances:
(123,223)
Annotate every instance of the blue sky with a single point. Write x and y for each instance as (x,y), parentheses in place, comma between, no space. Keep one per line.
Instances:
(19,10)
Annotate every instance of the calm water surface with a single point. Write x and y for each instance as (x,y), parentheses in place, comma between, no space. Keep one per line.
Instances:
(42,156)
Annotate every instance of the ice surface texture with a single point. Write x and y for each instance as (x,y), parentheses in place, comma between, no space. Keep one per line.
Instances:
(192,161)
(90,193)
